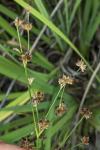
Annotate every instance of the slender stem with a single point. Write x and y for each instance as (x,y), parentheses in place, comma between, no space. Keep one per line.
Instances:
(29,87)
(76,146)
(19,39)
(40,133)
(70,133)
(74,128)
(53,103)
(28,39)
(29,90)
(28,32)
(37,114)
(62,95)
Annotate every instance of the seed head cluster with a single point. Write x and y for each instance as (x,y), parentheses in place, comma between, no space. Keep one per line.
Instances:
(26,57)
(38,97)
(85,140)
(24,25)
(25,143)
(81,65)
(65,80)
(18,22)
(86,113)
(61,109)
(43,124)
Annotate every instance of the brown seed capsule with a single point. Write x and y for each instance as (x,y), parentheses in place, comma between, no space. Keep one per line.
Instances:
(26,26)
(81,65)
(65,80)
(86,113)
(38,97)
(85,140)
(18,22)
(61,109)
(43,124)
(26,57)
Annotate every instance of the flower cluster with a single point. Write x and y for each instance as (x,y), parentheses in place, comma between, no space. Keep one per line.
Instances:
(85,140)
(43,124)
(61,109)
(81,65)
(65,80)
(25,143)
(24,25)
(26,57)
(86,113)
(38,97)
(18,22)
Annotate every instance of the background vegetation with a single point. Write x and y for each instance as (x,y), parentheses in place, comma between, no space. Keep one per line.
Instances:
(62,32)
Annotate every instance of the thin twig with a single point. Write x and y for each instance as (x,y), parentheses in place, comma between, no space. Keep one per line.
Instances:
(7,93)
(45,26)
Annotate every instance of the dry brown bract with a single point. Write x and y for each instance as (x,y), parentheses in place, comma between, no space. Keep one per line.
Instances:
(86,113)
(85,140)
(43,124)
(26,57)
(26,26)
(65,80)
(81,65)
(30,80)
(18,22)
(61,109)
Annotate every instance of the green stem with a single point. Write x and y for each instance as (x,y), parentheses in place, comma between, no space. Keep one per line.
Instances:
(28,32)
(29,90)
(19,39)
(28,40)
(72,131)
(76,146)
(53,103)
(74,128)
(62,95)
(37,114)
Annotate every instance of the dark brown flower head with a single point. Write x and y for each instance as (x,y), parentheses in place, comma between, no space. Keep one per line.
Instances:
(38,97)
(85,140)
(26,26)
(86,113)
(65,80)
(61,109)
(18,22)
(25,143)
(43,124)
(26,57)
